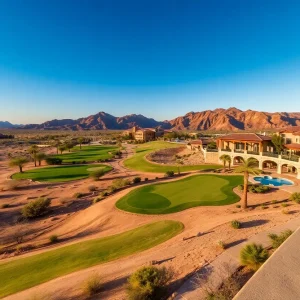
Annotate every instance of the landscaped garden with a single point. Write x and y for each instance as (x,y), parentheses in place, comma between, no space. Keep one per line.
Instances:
(88,154)
(138,161)
(61,173)
(27,272)
(170,197)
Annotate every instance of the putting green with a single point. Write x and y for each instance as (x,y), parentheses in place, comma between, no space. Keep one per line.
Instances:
(26,272)
(60,173)
(170,197)
(88,153)
(138,161)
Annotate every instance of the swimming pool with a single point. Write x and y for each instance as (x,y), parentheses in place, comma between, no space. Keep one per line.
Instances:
(269,180)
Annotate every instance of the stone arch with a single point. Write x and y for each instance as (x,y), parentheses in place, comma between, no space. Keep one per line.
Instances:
(257,161)
(269,164)
(237,160)
(288,168)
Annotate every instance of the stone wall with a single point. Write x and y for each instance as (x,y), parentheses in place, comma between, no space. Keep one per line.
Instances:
(212,157)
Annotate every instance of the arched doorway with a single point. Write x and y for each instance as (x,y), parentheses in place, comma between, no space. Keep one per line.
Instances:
(269,165)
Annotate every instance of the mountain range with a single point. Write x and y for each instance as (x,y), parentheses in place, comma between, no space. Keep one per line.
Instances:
(220,119)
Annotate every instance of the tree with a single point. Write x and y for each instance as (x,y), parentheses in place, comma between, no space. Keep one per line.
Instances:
(55,143)
(225,158)
(69,146)
(19,162)
(40,156)
(248,167)
(253,256)
(33,150)
(278,142)
(62,148)
(212,145)
(80,141)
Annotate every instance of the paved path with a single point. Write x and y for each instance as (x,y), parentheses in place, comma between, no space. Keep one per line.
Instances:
(228,262)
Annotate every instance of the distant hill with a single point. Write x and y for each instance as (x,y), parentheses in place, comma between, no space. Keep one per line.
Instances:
(219,120)
(5,124)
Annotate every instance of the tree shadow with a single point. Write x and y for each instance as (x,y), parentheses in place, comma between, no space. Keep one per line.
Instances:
(235,243)
(254,223)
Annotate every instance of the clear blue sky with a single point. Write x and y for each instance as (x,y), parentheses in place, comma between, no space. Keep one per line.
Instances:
(73,58)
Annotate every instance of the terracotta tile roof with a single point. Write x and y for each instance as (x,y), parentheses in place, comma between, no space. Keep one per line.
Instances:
(196,142)
(296,133)
(245,137)
(293,146)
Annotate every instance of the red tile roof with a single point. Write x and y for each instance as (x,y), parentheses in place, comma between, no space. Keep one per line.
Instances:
(293,146)
(245,137)
(290,129)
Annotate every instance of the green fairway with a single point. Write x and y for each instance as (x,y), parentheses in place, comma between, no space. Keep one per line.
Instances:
(139,163)
(27,272)
(170,197)
(87,153)
(60,173)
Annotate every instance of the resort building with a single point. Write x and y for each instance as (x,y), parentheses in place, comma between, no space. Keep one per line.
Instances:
(259,147)
(291,138)
(143,134)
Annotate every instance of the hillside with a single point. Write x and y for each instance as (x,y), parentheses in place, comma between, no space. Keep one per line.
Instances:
(219,119)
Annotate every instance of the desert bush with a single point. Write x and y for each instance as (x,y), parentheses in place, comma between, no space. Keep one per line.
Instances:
(221,244)
(104,194)
(97,199)
(263,206)
(256,188)
(92,188)
(12,185)
(136,179)
(36,208)
(146,179)
(53,160)
(238,206)
(5,205)
(148,283)
(97,174)
(284,205)
(65,201)
(235,224)
(295,197)
(169,174)
(253,256)
(278,239)
(274,201)
(120,182)
(285,211)
(111,189)
(92,285)
(53,238)
(78,195)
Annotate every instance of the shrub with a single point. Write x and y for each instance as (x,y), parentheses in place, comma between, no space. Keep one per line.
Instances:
(97,174)
(136,179)
(285,211)
(97,199)
(274,201)
(238,206)
(5,205)
(263,206)
(221,244)
(119,183)
(104,193)
(53,160)
(169,174)
(156,177)
(66,201)
(253,256)
(240,187)
(111,189)
(146,179)
(78,195)
(53,238)
(278,239)
(12,185)
(36,208)
(235,224)
(284,205)
(92,188)
(295,197)
(255,188)
(148,283)
(92,285)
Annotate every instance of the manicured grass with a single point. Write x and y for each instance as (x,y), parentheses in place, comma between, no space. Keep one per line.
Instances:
(60,173)
(170,197)
(87,153)
(139,163)
(27,272)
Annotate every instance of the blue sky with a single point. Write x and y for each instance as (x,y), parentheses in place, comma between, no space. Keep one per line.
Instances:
(73,58)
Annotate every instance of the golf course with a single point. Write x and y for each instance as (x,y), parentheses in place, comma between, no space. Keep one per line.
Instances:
(170,197)
(23,273)
(138,161)
(60,173)
(87,153)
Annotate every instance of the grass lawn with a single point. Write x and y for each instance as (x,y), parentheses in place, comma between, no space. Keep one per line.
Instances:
(87,153)
(170,197)
(60,173)
(27,272)
(139,163)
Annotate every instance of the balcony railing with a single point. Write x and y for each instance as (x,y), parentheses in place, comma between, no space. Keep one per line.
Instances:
(212,150)
(291,158)
(253,152)
(226,150)
(270,154)
(239,151)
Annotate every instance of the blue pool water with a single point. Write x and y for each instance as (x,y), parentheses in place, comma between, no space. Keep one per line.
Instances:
(266,180)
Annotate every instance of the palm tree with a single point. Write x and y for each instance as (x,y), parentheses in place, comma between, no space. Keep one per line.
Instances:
(33,150)
(40,156)
(55,143)
(253,256)
(80,141)
(229,160)
(18,162)
(69,146)
(225,158)
(248,167)
(62,148)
